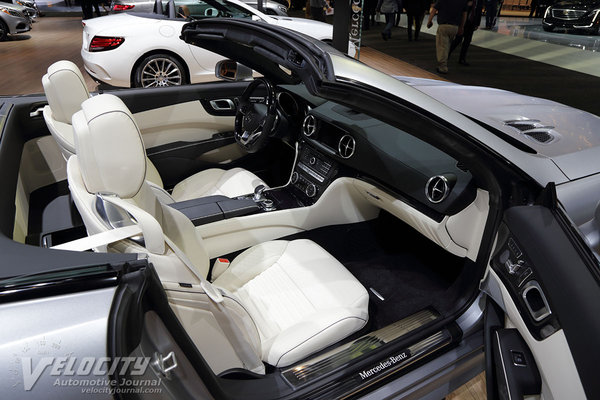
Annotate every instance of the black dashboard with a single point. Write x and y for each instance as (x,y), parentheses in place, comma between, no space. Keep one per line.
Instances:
(335,141)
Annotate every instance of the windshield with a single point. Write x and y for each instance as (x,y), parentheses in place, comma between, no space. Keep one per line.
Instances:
(211,9)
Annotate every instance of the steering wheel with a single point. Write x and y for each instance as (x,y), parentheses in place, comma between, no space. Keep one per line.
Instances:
(254,122)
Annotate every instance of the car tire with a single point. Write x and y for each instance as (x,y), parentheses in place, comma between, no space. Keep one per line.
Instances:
(548,28)
(3,31)
(159,70)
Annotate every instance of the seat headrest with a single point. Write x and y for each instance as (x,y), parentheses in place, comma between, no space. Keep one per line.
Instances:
(109,147)
(65,90)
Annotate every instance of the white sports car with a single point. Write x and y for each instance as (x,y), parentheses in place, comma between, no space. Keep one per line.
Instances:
(144,50)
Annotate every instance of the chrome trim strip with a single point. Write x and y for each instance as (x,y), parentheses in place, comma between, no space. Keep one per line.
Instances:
(301,374)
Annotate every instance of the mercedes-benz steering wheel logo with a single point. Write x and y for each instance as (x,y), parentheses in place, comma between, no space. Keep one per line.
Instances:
(437,189)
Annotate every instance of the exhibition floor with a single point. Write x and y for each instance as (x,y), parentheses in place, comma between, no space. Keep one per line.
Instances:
(507,61)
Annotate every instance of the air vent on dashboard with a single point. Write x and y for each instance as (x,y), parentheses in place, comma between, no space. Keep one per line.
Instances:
(533,129)
(310,126)
(346,146)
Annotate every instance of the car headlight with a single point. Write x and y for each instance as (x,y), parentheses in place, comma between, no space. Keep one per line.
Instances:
(547,13)
(10,11)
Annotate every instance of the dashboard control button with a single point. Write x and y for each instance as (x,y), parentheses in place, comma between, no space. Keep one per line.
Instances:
(311,190)
(294,177)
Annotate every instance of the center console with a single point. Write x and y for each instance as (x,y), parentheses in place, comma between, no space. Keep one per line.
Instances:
(312,174)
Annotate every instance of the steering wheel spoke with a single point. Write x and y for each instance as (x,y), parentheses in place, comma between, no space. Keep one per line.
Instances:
(254,122)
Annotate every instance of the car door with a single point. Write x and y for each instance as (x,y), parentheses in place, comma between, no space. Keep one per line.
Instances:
(187,128)
(212,9)
(542,325)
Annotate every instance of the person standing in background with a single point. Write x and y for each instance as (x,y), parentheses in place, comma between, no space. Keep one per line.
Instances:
(316,9)
(474,9)
(491,9)
(452,15)
(388,8)
(86,8)
(369,13)
(415,11)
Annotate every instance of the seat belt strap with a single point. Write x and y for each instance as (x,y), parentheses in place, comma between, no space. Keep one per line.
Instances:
(146,224)
(100,239)
(244,350)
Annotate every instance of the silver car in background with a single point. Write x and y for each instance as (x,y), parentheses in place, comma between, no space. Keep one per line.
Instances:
(270,7)
(31,8)
(13,20)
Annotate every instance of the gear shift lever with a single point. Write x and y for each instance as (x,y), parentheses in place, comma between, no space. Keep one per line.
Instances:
(258,192)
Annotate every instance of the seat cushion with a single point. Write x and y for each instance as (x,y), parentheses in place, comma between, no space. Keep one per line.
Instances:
(214,181)
(299,296)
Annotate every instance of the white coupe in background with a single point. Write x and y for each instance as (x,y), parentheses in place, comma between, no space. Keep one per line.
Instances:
(144,50)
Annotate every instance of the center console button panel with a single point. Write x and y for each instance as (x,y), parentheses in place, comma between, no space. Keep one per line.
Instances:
(312,174)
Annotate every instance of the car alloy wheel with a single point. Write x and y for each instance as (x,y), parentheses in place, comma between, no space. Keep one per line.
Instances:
(159,70)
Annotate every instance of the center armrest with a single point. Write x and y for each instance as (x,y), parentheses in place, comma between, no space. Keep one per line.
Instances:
(205,210)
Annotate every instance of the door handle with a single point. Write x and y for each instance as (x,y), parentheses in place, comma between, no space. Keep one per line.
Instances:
(222,105)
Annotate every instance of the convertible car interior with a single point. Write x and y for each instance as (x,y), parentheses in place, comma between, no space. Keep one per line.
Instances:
(317,231)
(351,230)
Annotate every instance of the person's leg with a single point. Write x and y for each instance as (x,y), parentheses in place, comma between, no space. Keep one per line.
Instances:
(467,37)
(444,36)
(418,22)
(489,14)
(97,8)
(317,14)
(389,23)
(455,42)
(410,16)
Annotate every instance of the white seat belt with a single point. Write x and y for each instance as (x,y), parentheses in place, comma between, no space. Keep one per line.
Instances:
(100,239)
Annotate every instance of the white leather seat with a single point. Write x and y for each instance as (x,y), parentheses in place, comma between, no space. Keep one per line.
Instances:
(65,90)
(291,298)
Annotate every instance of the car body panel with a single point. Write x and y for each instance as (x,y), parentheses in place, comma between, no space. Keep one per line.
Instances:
(575,148)
(69,326)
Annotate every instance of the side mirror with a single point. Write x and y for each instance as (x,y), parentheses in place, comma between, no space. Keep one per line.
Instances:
(230,70)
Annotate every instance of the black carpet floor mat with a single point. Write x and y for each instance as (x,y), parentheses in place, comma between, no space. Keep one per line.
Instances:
(408,270)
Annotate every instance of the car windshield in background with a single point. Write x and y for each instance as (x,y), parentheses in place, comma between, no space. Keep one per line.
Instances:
(214,8)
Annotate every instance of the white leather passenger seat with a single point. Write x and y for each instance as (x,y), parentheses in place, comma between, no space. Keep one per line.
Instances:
(65,90)
(300,297)
(290,298)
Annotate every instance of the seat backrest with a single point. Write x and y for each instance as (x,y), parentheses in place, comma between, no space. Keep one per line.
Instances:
(65,90)
(110,160)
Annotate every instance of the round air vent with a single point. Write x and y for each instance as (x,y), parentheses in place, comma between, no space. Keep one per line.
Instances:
(437,189)
(346,146)
(310,126)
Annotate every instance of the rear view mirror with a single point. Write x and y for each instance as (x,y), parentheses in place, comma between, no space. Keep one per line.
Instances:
(230,70)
